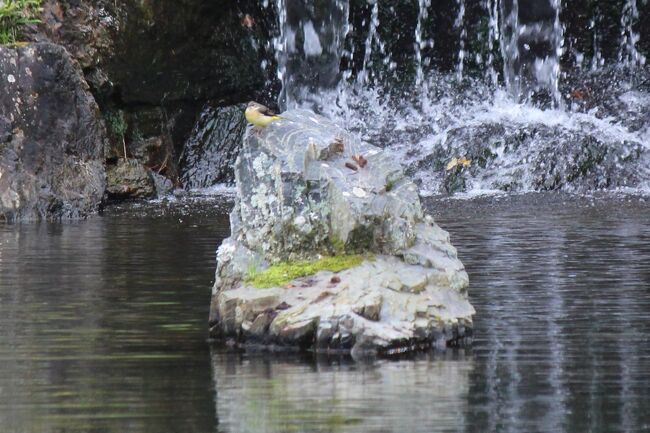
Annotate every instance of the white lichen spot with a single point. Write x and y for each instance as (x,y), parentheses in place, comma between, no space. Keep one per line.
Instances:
(12,61)
(358,192)
(259,164)
(346,194)
(11,78)
(299,220)
(324,165)
(28,71)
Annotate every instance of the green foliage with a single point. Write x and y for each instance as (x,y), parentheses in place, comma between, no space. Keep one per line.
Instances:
(251,271)
(116,123)
(338,246)
(14,15)
(281,274)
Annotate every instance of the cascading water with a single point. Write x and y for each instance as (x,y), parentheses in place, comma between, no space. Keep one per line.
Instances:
(459,24)
(308,48)
(628,54)
(514,144)
(509,42)
(420,42)
(525,123)
(493,36)
(372,40)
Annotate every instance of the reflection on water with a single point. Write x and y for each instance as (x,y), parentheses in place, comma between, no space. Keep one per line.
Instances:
(103,329)
(562,291)
(102,325)
(264,393)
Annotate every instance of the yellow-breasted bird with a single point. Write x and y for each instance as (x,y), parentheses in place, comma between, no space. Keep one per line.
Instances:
(259,115)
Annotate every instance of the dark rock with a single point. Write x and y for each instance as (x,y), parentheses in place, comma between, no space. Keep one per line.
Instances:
(150,52)
(512,156)
(212,147)
(51,136)
(154,65)
(129,179)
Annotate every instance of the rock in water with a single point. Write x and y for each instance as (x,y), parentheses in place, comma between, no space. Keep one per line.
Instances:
(51,136)
(298,201)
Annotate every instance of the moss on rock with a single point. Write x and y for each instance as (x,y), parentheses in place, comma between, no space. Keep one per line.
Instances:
(282,273)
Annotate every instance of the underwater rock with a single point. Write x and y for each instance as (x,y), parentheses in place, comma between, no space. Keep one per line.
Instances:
(324,257)
(51,136)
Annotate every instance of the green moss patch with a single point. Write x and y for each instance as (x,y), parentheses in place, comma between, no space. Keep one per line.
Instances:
(281,274)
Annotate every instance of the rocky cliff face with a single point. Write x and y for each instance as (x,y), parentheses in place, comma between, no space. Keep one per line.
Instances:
(154,66)
(117,87)
(361,267)
(51,136)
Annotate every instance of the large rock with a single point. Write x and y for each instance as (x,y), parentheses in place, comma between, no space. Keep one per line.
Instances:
(51,136)
(298,199)
(153,65)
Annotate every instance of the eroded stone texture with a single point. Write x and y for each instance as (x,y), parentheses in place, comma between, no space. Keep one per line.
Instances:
(301,194)
(51,136)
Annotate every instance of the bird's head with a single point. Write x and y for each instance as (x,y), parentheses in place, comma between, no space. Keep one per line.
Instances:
(254,105)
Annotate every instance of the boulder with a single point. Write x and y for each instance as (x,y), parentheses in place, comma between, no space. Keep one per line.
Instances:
(366,268)
(51,136)
(153,65)
(129,179)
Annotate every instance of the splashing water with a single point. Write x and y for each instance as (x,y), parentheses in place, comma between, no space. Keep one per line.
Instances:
(524,124)
(514,145)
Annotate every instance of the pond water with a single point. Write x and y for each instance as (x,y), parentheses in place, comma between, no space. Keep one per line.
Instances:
(103,329)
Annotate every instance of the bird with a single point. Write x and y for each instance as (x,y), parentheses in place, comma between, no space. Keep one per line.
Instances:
(259,115)
(461,162)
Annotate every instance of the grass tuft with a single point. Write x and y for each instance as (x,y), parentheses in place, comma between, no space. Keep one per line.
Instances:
(14,15)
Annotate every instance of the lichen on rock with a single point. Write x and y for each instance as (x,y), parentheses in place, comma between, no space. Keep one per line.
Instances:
(51,136)
(345,261)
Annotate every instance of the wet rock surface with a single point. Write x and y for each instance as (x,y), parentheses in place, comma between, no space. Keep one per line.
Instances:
(51,136)
(213,146)
(541,157)
(303,192)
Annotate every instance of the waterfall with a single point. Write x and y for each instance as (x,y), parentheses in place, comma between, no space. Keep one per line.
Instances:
(459,24)
(420,43)
(509,43)
(597,60)
(628,53)
(494,35)
(308,48)
(531,51)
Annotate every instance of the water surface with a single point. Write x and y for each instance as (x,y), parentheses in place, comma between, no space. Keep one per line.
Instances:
(103,329)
